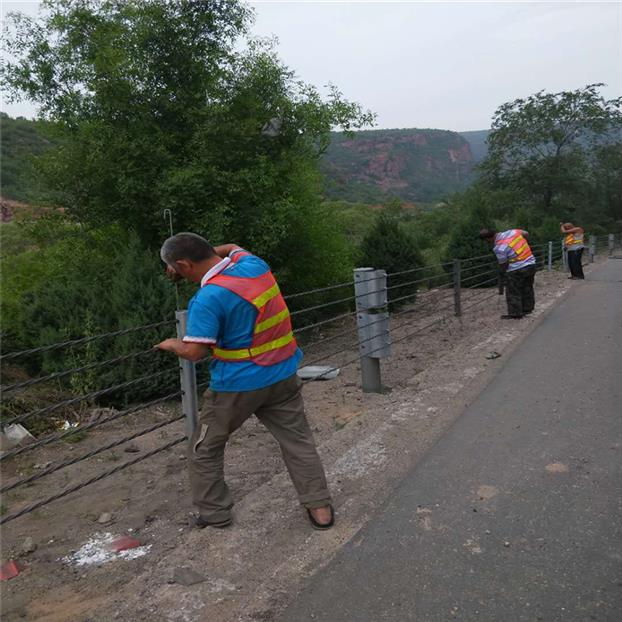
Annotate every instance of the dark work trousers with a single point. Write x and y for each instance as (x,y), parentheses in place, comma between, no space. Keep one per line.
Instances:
(519,291)
(574,263)
(281,409)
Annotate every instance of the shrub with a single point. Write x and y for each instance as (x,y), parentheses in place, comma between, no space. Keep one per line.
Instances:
(389,247)
(84,284)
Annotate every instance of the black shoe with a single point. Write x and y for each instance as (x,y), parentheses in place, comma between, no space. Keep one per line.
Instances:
(511,317)
(201,523)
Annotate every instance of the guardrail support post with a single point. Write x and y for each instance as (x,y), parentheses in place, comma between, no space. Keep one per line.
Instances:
(372,317)
(612,243)
(549,262)
(592,248)
(188,381)
(457,289)
(565,258)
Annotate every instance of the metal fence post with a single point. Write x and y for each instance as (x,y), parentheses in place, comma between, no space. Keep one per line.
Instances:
(565,257)
(612,243)
(549,262)
(457,289)
(592,248)
(188,381)
(372,317)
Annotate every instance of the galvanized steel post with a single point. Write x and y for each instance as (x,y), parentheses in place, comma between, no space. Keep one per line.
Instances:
(457,289)
(188,381)
(549,262)
(592,248)
(372,317)
(612,243)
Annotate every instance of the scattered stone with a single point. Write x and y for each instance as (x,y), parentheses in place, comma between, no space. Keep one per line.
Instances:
(506,544)
(556,467)
(132,448)
(493,355)
(186,577)
(487,532)
(40,466)
(28,546)
(183,457)
(486,492)
(104,517)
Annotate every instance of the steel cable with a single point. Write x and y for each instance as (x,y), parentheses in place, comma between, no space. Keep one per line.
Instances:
(75,370)
(83,340)
(54,407)
(90,454)
(89,426)
(88,482)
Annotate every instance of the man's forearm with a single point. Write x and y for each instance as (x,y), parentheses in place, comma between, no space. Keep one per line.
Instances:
(189,351)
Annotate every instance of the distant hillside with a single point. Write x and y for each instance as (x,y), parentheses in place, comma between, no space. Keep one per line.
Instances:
(414,165)
(477,141)
(20,140)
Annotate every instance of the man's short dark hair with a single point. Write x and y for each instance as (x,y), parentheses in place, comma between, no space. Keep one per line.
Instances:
(487,234)
(186,246)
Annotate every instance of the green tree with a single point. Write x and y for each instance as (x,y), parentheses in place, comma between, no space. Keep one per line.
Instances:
(607,181)
(158,108)
(541,145)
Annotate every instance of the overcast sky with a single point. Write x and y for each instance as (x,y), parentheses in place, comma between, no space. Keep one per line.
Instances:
(439,64)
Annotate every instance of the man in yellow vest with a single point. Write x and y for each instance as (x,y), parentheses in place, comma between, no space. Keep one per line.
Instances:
(573,243)
(519,265)
(239,315)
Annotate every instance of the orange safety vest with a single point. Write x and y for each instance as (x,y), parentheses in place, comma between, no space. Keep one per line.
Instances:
(273,339)
(573,238)
(518,244)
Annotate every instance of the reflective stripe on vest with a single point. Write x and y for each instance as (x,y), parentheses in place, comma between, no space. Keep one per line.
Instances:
(573,238)
(243,354)
(520,246)
(273,339)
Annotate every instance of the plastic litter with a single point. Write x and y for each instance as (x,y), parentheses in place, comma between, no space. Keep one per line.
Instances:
(318,372)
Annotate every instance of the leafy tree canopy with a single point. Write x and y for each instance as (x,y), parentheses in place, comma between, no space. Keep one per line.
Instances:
(161,107)
(542,144)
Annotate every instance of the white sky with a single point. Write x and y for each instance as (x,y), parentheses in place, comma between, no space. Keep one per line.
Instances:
(439,64)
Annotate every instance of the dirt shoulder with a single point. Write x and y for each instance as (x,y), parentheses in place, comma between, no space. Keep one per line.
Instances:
(254,568)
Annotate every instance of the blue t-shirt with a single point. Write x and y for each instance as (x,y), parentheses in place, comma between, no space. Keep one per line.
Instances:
(216,314)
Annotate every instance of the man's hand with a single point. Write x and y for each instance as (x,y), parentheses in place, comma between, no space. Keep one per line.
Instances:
(173,275)
(189,351)
(169,345)
(224,250)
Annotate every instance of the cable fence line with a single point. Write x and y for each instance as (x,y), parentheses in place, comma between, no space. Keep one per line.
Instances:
(90,454)
(323,322)
(87,396)
(88,426)
(355,329)
(76,342)
(92,480)
(419,269)
(366,334)
(75,370)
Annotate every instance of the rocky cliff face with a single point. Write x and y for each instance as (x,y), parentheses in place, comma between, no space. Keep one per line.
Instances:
(413,165)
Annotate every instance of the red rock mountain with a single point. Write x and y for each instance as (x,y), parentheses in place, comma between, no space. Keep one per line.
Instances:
(413,165)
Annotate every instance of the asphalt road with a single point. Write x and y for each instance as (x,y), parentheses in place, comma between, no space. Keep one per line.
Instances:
(516,513)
